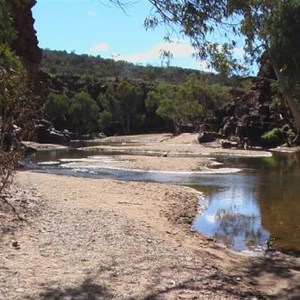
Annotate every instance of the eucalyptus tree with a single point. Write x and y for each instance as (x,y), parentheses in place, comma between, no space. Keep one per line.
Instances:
(180,104)
(262,26)
(83,113)
(265,26)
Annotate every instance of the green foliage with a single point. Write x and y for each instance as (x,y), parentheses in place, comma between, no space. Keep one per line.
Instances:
(186,103)
(273,137)
(284,39)
(275,103)
(178,103)
(7,31)
(56,110)
(16,113)
(83,113)
(129,101)
(129,97)
(269,27)
(96,68)
(105,120)
(79,113)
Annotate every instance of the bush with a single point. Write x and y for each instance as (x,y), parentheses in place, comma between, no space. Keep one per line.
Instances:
(16,113)
(84,113)
(273,137)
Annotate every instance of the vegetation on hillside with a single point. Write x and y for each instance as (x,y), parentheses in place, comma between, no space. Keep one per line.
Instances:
(120,97)
(62,63)
(269,27)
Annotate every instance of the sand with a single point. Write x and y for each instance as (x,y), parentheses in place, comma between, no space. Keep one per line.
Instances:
(108,239)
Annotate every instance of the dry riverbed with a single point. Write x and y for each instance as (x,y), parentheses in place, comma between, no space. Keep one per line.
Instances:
(107,239)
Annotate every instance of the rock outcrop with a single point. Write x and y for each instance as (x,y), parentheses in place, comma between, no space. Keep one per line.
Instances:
(250,116)
(26,44)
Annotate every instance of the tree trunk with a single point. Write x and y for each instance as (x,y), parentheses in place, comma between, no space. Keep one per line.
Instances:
(289,99)
(128,122)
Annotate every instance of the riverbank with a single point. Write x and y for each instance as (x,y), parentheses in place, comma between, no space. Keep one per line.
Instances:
(108,239)
(185,144)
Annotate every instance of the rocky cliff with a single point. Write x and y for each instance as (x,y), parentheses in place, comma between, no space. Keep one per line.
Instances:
(253,119)
(26,44)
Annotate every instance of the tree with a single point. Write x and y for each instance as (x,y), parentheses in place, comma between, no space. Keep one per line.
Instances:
(178,103)
(128,95)
(56,109)
(84,112)
(105,120)
(266,26)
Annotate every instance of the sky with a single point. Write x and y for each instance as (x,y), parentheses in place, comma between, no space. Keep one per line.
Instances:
(97,27)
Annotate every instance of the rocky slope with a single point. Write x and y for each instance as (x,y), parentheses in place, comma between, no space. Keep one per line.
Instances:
(26,44)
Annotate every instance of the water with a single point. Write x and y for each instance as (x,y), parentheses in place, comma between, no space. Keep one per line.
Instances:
(232,214)
(243,210)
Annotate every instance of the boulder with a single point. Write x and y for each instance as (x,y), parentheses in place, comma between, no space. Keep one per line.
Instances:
(208,137)
(46,133)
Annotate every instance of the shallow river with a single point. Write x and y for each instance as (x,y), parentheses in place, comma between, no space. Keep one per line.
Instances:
(245,210)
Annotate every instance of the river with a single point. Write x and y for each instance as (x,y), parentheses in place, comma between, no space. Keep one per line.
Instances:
(252,210)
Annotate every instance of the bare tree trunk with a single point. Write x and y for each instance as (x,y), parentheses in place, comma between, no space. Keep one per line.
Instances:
(128,122)
(289,99)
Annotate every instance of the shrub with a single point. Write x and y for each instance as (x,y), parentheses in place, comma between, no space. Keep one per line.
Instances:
(16,113)
(273,137)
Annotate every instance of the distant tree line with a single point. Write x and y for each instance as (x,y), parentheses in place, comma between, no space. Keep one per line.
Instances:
(91,95)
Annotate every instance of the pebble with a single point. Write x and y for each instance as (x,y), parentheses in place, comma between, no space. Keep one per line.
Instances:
(16,245)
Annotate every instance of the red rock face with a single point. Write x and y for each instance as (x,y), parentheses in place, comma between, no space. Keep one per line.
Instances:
(26,45)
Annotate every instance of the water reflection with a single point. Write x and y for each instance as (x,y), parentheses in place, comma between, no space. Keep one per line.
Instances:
(243,210)
(233,217)
(276,190)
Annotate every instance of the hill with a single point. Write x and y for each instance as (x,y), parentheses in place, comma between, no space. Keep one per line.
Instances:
(87,94)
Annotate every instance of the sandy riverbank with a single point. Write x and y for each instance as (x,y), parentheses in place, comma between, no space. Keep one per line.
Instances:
(108,239)
(185,144)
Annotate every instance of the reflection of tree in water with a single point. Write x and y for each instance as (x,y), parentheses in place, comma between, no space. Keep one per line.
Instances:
(277,190)
(280,202)
(239,231)
(254,205)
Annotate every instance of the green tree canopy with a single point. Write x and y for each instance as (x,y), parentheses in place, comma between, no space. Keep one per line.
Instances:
(266,26)
(84,112)
(178,103)
(7,31)
(56,109)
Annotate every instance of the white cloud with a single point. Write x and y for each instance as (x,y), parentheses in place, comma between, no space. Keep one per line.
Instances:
(99,47)
(182,52)
(179,50)
(182,55)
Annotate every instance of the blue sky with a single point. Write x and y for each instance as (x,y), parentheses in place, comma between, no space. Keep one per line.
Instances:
(97,27)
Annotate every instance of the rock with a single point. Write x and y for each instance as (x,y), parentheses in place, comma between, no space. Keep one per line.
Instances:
(206,137)
(226,144)
(26,44)
(16,245)
(27,150)
(46,133)
(252,114)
